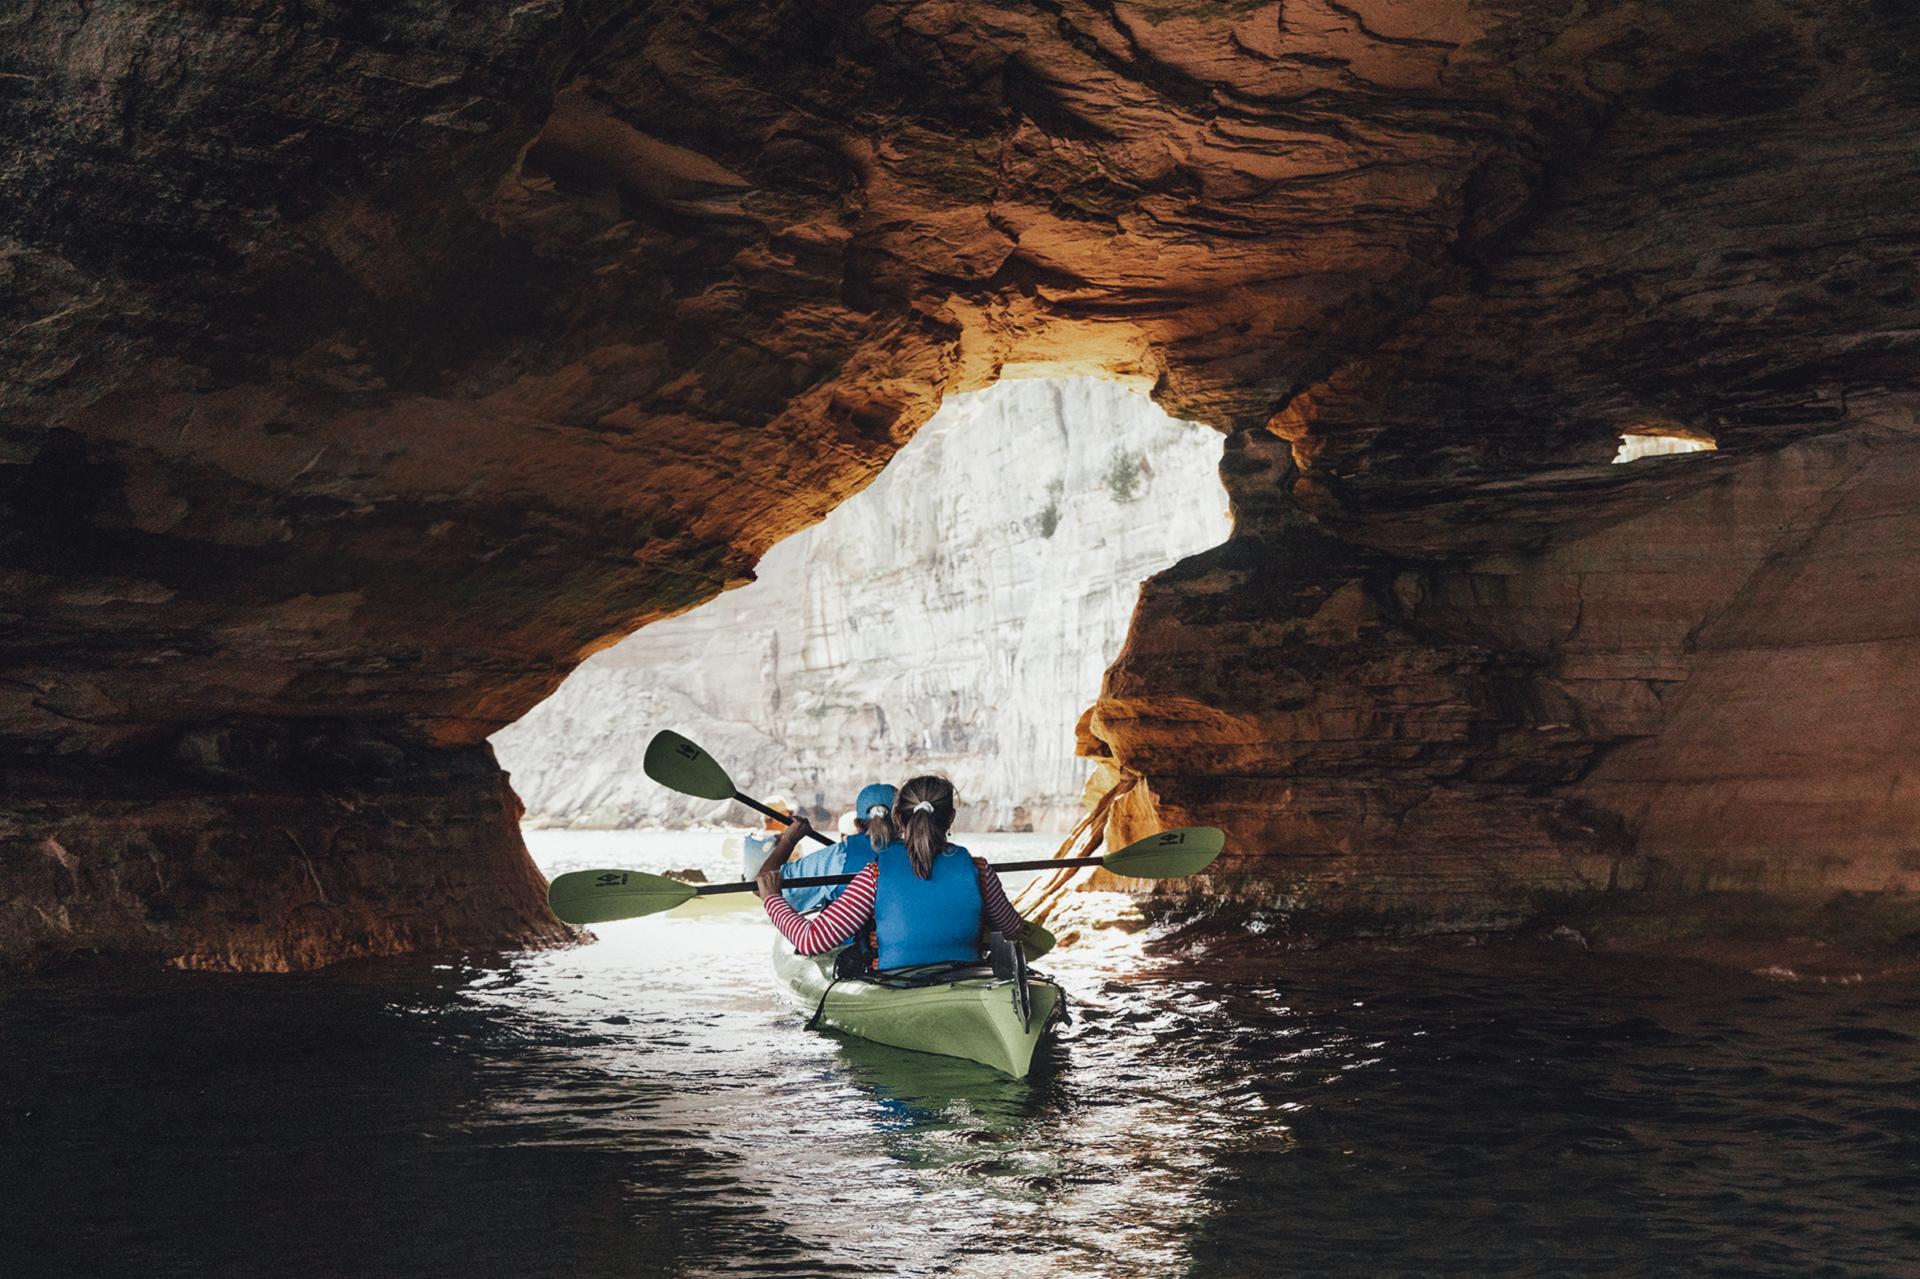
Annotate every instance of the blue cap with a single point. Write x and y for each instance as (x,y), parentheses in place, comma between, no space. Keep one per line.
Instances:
(873,795)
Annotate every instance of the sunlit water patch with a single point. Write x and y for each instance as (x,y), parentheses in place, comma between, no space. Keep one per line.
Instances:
(648,1106)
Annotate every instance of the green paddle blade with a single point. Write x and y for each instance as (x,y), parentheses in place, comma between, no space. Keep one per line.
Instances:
(601,896)
(1037,941)
(1185,850)
(678,764)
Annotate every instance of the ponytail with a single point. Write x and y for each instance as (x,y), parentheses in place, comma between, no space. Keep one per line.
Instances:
(924,813)
(880,829)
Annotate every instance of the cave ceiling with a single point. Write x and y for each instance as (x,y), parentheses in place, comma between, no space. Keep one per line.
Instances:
(390,359)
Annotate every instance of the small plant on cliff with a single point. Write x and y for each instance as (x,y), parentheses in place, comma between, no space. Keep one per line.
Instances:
(1048,521)
(1123,476)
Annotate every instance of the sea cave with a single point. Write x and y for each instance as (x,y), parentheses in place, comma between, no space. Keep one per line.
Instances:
(1483,500)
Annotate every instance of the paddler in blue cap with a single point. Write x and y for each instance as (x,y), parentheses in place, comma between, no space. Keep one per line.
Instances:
(873,823)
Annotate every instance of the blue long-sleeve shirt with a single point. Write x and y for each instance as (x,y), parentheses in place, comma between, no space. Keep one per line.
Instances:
(848,857)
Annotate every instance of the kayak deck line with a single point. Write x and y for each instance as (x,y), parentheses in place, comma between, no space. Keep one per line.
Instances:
(971,1017)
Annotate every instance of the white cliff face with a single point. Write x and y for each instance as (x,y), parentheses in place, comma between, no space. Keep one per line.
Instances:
(955,617)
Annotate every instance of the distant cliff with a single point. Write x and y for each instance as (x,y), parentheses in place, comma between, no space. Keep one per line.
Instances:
(956,616)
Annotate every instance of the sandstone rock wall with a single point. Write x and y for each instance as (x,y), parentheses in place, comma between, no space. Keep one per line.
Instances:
(956,617)
(385,847)
(1707,695)
(1556,678)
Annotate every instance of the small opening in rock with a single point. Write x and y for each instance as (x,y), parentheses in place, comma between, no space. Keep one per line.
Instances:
(1660,441)
(956,616)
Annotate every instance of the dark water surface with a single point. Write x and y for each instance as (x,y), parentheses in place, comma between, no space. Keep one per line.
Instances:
(647,1107)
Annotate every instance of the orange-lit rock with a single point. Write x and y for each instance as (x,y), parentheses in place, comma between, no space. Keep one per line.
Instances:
(366,371)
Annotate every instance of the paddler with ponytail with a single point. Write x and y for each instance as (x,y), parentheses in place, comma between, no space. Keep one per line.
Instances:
(874,830)
(926,898)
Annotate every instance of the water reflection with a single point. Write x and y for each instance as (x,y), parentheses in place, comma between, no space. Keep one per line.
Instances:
(648,1107)
(868,1156)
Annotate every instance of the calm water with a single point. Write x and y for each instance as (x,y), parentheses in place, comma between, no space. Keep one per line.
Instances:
(646,1107)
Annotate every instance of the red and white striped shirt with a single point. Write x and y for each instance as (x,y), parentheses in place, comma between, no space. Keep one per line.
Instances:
(852,910)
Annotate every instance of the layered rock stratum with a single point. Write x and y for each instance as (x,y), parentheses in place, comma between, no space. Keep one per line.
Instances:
(367,369)
(955,617)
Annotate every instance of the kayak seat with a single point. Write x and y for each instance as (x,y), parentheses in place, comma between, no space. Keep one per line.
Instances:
(1001,954)
(928,974)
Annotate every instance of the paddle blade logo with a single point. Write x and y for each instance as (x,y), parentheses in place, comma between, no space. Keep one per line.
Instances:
(1171,854)
(602,896)
(679,764)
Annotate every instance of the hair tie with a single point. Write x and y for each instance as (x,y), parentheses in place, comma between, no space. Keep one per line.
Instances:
(876,810)
(923,806)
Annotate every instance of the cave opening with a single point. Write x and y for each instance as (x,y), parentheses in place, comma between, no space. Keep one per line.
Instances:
(1664,439)
(955,616)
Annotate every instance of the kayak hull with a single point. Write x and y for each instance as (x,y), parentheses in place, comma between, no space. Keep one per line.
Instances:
(974,1018)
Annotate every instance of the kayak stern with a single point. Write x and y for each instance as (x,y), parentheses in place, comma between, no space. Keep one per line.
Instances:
(974,1018)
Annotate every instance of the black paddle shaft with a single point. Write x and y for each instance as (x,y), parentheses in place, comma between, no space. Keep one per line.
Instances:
(819,881)
(784,820)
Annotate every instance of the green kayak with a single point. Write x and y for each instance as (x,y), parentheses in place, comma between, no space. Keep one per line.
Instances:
(975,1017)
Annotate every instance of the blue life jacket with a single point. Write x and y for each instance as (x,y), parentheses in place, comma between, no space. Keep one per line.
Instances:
(848,857)
(927,921)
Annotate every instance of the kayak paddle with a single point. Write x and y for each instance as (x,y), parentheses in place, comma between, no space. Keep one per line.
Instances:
(678,764)
(1036,941)
(602,896)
